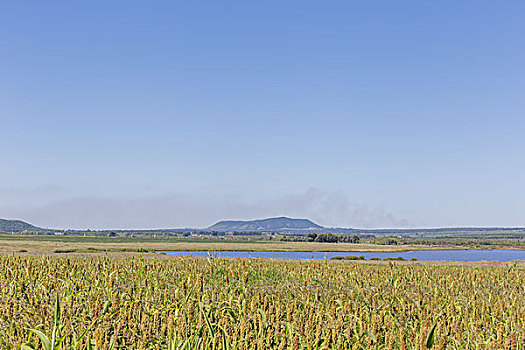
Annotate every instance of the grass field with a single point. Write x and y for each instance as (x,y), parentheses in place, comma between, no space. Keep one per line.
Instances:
(191,303)
(44,244)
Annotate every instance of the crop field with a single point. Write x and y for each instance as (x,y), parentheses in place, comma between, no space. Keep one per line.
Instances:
(212,303)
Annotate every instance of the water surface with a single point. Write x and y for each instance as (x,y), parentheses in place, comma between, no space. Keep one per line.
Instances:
(423,255)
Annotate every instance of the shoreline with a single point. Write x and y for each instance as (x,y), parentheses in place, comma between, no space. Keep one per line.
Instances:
(404,250)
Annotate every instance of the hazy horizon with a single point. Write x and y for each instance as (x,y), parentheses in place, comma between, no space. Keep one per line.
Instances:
(128,115)
(263,218)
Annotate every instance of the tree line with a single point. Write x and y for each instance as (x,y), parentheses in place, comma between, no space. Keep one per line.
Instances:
(332,238)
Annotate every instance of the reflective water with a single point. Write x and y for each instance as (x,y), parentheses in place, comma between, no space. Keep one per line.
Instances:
(423,255)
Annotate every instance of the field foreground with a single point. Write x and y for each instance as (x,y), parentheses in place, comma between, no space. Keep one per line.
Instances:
(191,303)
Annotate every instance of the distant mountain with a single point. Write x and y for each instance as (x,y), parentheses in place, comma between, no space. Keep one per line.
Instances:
(16,226)
(272,224)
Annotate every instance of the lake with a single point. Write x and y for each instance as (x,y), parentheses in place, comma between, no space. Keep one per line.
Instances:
(422,255)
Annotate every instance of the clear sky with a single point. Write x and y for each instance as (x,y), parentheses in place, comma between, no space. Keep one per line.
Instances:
(146,114)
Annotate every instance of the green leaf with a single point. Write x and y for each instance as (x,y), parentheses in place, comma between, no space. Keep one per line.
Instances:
(207,320)
(57,311)
(56,323)
(224,340)
(46,344)
(430,336)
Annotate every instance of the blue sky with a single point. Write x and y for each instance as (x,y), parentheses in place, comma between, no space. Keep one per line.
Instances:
(129,114)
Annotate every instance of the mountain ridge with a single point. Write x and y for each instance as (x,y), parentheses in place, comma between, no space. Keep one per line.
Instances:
(281,223)
(17,226)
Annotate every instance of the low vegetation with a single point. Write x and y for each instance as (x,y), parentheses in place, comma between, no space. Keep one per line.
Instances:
(323,238)
(60,244)
(362,257)
(213,303)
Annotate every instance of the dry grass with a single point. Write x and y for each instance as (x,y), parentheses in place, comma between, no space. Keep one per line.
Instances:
(30,245)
